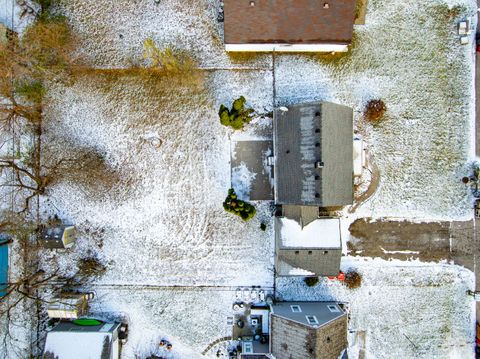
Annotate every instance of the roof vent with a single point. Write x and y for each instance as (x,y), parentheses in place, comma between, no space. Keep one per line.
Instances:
(326,5)
(319,164)
(252,3)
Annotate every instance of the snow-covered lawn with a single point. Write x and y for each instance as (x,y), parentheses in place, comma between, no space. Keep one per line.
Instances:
(112,32)
(408,54)
(410,310)
(160,219)
(190,319)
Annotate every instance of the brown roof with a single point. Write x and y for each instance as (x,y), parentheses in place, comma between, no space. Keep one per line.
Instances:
(289,21)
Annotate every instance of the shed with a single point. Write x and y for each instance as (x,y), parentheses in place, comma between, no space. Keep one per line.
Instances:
(286,25)
(69,305)
(313,150)
(58,237)
(300,330)
(68,340)
(311,250)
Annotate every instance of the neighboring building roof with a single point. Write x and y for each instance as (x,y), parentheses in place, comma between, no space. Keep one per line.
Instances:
(313,148)
(289,22)
(70,341)
(319,234)
(324,312)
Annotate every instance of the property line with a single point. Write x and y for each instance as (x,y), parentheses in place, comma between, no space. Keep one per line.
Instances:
(172,287)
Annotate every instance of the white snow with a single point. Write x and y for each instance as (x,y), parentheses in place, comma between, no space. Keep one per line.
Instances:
(242,181)
(68,345)
(399,252)
(159,218)
(10,15)
(112,32)
(289,270)
(321,233)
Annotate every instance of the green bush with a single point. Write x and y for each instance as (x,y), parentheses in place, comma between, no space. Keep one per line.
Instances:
(237,116)
(311,281)
(236,206)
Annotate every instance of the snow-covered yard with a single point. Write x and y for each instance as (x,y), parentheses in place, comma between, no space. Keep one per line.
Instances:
(153,209)
(410,310)
(408,54)
(414,310)
(159,219)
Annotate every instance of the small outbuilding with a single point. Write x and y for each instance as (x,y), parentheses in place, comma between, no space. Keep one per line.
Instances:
(69,305)
(286,25)
(312,250)
(58,237)
(68,340)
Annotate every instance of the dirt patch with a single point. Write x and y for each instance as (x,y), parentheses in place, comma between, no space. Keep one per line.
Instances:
(404,240)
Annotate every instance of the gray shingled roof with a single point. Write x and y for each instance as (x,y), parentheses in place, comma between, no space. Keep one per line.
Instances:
(310,133)
(320,310)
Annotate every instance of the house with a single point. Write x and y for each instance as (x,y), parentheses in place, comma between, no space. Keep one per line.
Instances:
(301,330)
(288,26)
(314,250)
(313,169)
(291,330)
(68,340)
(58,237)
